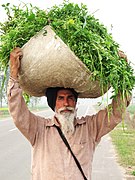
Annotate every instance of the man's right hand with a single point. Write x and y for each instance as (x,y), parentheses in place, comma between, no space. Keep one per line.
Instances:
(15,57)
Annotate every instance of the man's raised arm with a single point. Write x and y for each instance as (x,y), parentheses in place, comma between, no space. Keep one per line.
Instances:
(25,121)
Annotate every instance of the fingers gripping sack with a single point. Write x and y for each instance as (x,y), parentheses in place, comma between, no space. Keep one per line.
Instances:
(15,57)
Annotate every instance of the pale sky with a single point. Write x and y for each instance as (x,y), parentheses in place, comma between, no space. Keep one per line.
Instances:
(118,14)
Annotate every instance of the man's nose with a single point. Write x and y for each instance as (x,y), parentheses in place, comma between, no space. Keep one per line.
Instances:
(66,102)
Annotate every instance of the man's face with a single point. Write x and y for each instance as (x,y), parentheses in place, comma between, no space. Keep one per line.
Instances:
(65,98)
(65,111)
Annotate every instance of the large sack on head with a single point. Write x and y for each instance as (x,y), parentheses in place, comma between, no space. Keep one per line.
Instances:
(48,62)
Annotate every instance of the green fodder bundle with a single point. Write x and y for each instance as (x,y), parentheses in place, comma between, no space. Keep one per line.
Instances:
(80,31)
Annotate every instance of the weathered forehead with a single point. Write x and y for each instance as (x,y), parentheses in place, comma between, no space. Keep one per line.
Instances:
(64,92)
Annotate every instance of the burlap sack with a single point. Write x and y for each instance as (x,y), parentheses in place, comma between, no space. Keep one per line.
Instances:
(48,62)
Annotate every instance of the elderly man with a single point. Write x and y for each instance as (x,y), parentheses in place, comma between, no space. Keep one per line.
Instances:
(52,159)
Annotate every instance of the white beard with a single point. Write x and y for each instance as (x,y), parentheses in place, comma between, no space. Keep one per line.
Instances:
(66,120)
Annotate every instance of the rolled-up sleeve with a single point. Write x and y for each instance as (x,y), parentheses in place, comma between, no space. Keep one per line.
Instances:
(24,120)
(106,120)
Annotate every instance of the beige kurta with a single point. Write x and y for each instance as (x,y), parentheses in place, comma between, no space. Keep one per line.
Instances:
(51,158)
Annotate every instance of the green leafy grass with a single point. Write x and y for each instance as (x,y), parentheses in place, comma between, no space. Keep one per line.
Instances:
(133,173)
(82,32)
(124,141)
(4,112)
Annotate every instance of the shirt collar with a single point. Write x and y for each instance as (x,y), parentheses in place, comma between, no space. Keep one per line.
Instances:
(79,121)
(53,121)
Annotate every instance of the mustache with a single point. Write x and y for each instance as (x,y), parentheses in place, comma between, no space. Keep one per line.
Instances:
(66,108)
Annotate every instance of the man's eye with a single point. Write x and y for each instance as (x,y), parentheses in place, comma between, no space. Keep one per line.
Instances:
(60,98)
(71,97)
